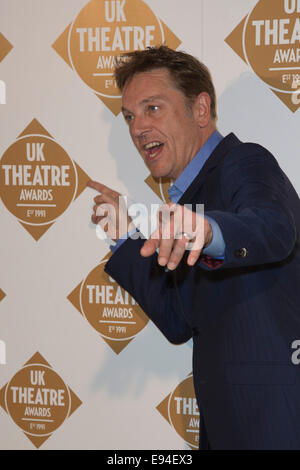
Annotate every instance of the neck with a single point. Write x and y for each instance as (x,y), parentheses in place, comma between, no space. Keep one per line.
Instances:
(208,131)
(205,135)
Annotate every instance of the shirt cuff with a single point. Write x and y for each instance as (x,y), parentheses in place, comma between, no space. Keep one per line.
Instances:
(123,239)
(216,248)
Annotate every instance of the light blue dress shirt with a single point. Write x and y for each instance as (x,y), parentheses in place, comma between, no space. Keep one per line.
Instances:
(216,248)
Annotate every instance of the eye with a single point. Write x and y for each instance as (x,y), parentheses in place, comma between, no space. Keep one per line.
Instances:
(153,108)
(128,117)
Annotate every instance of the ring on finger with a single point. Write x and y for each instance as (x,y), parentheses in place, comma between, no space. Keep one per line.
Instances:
(186,235)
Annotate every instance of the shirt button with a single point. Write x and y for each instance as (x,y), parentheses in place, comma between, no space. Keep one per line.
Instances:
(241,253)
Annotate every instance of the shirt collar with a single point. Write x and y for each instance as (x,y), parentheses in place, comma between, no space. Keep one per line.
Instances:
(190,172)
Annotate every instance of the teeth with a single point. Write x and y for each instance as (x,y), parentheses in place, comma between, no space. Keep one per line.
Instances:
(151,145)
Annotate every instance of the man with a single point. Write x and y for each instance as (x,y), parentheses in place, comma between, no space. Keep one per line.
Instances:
(236,290)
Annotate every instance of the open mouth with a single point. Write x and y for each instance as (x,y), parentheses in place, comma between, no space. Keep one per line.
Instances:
(153,149)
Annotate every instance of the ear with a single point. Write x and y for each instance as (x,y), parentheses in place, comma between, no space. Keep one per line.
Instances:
(202,109)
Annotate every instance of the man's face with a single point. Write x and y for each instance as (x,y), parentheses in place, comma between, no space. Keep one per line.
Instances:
(163,128)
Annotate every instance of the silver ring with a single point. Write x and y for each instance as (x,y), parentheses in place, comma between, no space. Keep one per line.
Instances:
(187,235)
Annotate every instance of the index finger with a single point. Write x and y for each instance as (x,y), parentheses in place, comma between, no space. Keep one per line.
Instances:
(97,186)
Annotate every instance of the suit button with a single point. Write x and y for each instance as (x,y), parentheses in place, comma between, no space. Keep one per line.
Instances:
(241,253)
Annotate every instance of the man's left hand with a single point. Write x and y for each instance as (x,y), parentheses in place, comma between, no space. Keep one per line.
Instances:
(179,229)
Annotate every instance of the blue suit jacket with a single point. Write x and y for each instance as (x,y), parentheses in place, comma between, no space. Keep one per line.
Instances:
(243,315)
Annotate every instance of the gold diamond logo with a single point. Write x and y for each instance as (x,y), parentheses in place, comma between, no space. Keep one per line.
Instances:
(267,39)
(38,179)
(180,409)
(2,295)
(108,308)
(5,47)
(38,400)
(104,29)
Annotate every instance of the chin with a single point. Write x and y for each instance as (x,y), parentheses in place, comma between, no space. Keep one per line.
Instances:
(159,173)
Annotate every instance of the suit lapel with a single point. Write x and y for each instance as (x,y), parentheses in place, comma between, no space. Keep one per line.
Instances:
(215,158)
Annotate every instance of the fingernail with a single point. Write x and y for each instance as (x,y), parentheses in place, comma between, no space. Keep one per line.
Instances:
(171,266)
(162,261)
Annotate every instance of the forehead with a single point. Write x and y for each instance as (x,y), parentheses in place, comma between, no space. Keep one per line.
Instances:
(143,85)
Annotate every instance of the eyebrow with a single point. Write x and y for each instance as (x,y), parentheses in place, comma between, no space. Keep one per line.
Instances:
(145,101)
(153,98)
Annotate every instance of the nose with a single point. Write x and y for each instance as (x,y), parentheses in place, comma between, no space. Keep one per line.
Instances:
(140,127)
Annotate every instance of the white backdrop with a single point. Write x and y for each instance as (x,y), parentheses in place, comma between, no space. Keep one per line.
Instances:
(119,393)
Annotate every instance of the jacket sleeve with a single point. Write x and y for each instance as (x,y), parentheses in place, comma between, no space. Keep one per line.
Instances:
(258,224)
(151,287)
